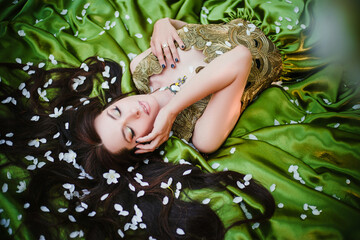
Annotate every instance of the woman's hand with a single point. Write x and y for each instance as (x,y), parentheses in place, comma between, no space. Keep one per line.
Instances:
(160,133)
(162,42)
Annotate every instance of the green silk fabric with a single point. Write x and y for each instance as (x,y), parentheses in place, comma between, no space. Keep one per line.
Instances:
(300,138)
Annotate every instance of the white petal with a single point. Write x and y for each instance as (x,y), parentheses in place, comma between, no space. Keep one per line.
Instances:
(61,210)
(232,150)
(141,193)
(138,35)
(71,218)
(272,187)
(240,185)
(187,172)
(103,197)
(185,29)
(5,187)
(280,205)
(21,33)
(276,122)
(149,20)
(118,207)
(92,214)
(237,199)
(64,12)
(121,234)
(215,165)
(248,177)
(303,216)
(356,107)
(165,200)
(44,209)
(252,137)
(255,225)
(206,201)
(132,188)
(179,231)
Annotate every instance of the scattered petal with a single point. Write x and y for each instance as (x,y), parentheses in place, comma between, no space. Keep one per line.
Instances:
(356,107)
(138,35)
(179,231)
(255,225)
(303,216)
(5,188)
(237,199)
(232,150)
(272,187)
(187,172)
(280,205)
(92,214)
(206,201)
(121,234)
(44,209)
(165,200)
(103,197)
(252,137)
(215,165)
(21,33)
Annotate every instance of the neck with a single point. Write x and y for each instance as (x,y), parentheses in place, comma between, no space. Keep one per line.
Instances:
(162,97)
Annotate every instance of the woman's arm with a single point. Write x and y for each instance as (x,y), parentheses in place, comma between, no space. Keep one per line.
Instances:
(165,33)
(225,77)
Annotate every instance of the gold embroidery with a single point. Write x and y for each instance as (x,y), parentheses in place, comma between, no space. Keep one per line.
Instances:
(213,40)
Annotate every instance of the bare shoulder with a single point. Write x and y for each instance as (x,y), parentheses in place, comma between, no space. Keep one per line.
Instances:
(138,58)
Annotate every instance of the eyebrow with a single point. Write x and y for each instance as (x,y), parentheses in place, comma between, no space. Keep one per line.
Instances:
(122,130)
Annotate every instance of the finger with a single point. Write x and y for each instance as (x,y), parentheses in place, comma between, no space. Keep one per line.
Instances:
(147,138)
(152,46)
(148,147)
(168,56)
(179,41)
(174,52)
(159,55)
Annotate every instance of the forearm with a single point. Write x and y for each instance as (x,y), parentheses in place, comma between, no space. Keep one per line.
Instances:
(219,74)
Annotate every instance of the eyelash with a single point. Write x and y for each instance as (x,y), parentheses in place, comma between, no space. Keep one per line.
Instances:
(131,130)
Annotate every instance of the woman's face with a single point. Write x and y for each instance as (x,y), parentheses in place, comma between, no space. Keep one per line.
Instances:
(127,119)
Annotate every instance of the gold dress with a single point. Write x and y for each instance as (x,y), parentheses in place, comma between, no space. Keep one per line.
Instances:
(213,40)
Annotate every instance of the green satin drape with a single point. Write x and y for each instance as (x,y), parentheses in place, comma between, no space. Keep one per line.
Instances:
(311,119)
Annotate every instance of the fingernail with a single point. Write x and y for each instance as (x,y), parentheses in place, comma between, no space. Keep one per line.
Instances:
(176,60)
(172,65)
(163,66)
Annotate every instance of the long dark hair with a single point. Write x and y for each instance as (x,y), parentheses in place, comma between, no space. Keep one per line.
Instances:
(69,195)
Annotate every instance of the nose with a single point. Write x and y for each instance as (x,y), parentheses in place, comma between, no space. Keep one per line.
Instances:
(134,113)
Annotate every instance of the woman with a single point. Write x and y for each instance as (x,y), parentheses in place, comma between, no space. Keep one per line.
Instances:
(85,179)
(225,78)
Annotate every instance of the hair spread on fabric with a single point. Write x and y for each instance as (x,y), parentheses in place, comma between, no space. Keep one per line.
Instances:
(81,189)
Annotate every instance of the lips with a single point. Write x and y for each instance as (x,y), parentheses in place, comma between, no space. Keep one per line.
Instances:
(145,107)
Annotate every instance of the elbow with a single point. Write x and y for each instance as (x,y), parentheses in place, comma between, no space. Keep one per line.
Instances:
(205,146)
